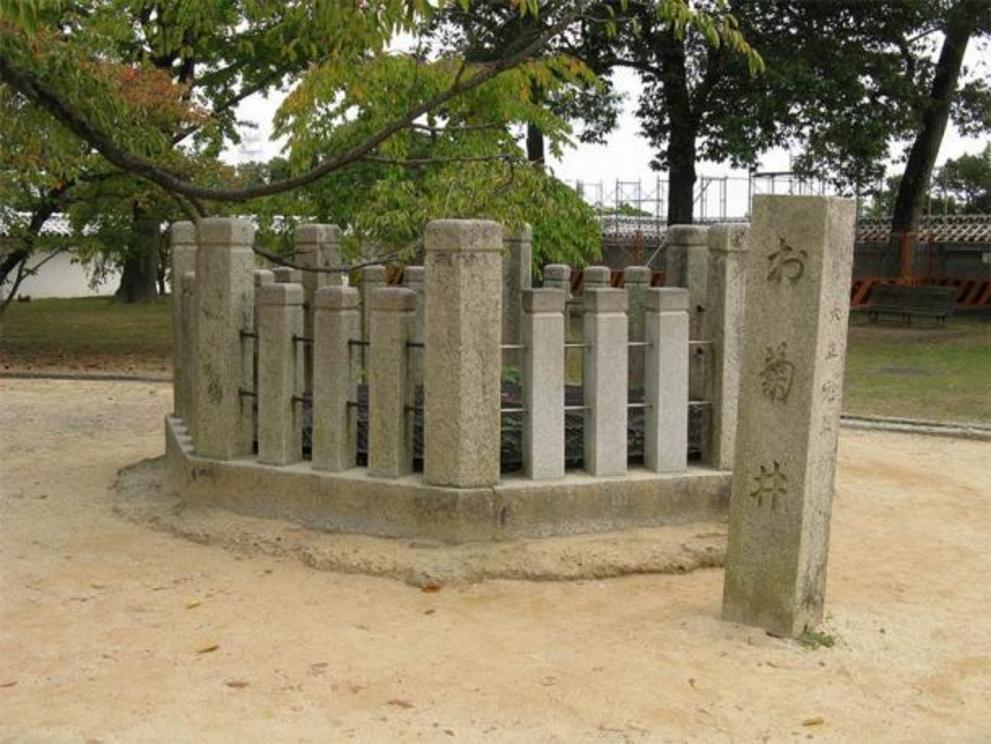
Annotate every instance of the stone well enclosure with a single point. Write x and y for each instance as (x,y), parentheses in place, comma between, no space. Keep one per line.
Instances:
(384,409)
(468,405)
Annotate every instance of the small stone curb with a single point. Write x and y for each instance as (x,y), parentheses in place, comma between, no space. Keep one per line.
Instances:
(82,376)
(915,426)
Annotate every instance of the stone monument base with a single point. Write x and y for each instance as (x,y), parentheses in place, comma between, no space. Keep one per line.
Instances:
(406,507)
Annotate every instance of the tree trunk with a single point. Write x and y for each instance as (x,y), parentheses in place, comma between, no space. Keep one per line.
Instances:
(960,25)
(534,143)
(681,172)
(140,274)
(681,136)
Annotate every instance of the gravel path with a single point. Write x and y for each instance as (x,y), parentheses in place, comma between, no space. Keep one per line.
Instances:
(110,631)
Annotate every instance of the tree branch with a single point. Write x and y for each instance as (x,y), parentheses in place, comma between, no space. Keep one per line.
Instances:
(37,90)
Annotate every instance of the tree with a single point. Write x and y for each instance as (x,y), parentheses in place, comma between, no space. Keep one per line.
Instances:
(837,82)
(59,75)
(469,165)
(966,182)
(963,19)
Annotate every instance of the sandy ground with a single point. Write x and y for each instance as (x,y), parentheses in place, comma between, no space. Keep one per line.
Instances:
(107,626)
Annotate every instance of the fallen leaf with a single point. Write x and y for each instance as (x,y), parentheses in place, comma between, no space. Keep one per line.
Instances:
(814,721)
(401,703)
(430,588)
(209,649)
(193,603)
(237,684)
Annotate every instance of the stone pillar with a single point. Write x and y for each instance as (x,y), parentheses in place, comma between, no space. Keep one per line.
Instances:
(182,237)
(287,275)
(597,277)
(543,383)
(604,376)
(224,307)
(517,275)
(337,320)
(280,374)
(462,361)
(665,446)
(791,387)
(372,277)
(697,280)
(186,352)
(316,247)
(636,280)
(723,328)
(678,239)
(558,276)
(390,424)
(413,279)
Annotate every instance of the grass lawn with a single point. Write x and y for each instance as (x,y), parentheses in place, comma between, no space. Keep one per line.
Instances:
(925,373)
(87,333)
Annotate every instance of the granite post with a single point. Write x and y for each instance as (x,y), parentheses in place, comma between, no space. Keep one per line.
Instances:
(224,308)
(463,319)
(791,387)
(665,447)
(558,276)
(636,281)
(182,237)
(678,239)
(517,276)
(413,279)
(317,247)
(697,281)
(336,321)
(723,329)
(604,377)
(186,352)
(280,373)
(287,275)
(390,422)
(543,383)
(372,277)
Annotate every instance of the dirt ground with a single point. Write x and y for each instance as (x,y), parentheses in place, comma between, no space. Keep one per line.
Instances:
(112,631)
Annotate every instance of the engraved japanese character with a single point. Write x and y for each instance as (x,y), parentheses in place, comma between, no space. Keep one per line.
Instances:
(786,262)
(778,372)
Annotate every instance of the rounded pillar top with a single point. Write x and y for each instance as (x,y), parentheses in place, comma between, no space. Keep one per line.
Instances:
(687,234)
(557,272)
(462,236)
(182,233)
(287,274)
(231,231)
(667,299)
(730,237)
(375,274)
(636,275)
(396,299)
(336,298)
(413,276)
(314,233)
(263,276)
(598,276)
(280,294)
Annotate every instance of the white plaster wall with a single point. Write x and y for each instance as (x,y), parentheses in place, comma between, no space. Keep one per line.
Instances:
(62,277)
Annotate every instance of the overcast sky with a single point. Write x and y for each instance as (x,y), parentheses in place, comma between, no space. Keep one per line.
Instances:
(626,155)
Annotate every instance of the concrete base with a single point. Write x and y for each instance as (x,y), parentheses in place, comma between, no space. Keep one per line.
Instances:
(353,502)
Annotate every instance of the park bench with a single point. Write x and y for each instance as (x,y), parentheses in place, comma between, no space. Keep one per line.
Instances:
(910,302)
